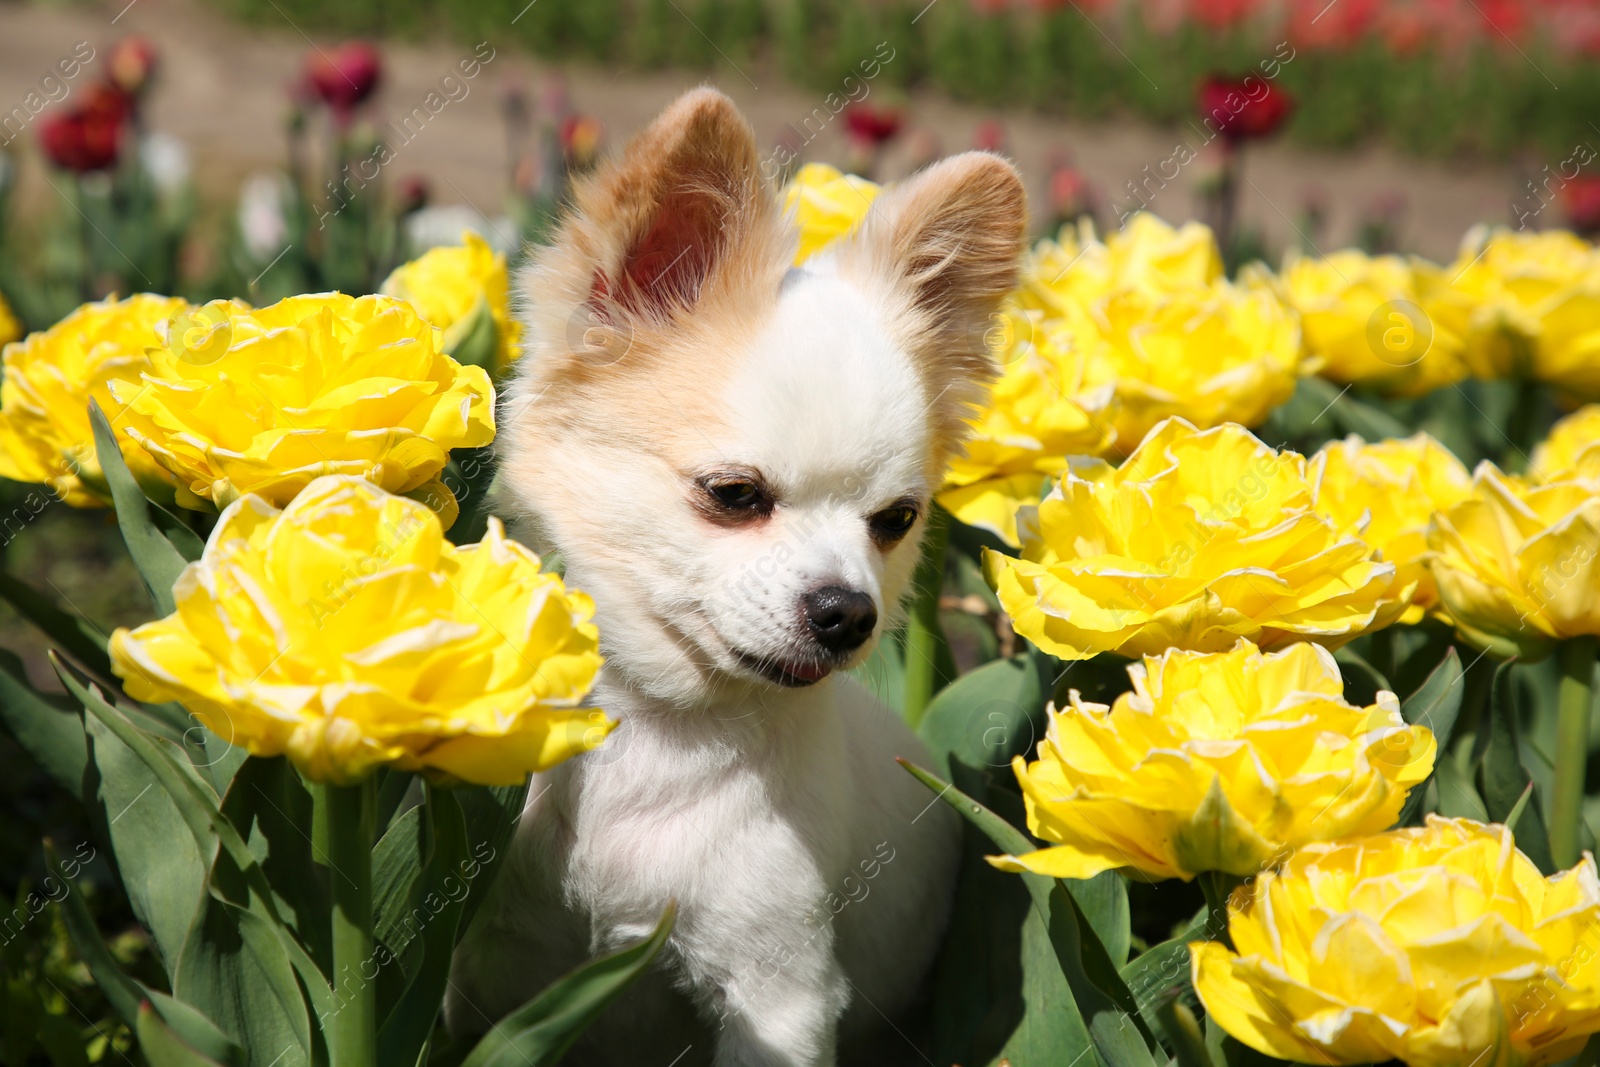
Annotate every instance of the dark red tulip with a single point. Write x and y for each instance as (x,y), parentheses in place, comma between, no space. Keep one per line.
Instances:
(345,76)
(87,137)
(131,64)
(1243,109)
(873,126)
(412,193)
(1580,199)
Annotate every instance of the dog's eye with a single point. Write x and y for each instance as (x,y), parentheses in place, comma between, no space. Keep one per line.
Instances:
(891,524)
(737,495)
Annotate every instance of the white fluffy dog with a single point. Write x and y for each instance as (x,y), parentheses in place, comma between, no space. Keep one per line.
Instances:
(736,458)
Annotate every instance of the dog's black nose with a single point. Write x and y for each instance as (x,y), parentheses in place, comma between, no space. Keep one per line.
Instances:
(841,619)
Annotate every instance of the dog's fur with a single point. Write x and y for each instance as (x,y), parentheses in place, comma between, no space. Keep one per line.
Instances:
(672,350)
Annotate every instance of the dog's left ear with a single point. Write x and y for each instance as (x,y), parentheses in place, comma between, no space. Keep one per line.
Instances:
(948,240)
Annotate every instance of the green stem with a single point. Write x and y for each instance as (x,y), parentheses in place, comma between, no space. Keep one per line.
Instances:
(1576,698)
(351,811)
(1522,427)
(1218,886)
(925,643)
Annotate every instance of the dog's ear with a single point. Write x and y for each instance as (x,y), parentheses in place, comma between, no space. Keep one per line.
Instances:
(949,240)
(657,224)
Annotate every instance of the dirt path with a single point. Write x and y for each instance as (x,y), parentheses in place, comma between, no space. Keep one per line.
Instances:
(222,91)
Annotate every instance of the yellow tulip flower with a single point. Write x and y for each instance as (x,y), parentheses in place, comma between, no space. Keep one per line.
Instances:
(345,632)
(1384,322)
(1198,539)
(265,401)
(453,288)
(1077,269)
(1536,297)
(45,435)
(1438,946)
(1517,565)
(1571,449)
(1386,494)
(1215,762)
(10,328)
(1038,416)
(1211,355)
(826,205)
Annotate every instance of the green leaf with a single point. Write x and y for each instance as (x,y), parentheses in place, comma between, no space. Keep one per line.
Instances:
(986,716)
(158,561)
(1503,778)
(185,540)
(162,869)
(1120,1034)
(49,728)
(471,339)
(1362,680)
(1436,704)
(241,881)
(539,1032)
(1183,1030)
(998,942)
(73,634)
(491,813)
(270,807)
(235,970)
(1340,411)
(1104,902)
(126,994)
(469,477)
(163,1048)
(397,862)
(1458,796)
(443,890)
(393,786)
(1163,969)
(121,992)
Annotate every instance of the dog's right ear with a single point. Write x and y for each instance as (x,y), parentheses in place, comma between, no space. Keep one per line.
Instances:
(654,233)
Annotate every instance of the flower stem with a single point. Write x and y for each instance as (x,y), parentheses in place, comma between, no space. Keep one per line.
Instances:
(925,643)
(1573,707)
(353,1035)
(1218,886)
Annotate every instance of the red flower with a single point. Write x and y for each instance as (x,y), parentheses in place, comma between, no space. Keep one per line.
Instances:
(874,126)
(131,63)
(1243,109)
(1505,19)
(89,136)
(345,76)
(1580,199)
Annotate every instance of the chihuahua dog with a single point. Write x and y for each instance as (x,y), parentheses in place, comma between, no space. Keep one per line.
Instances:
(736,457)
